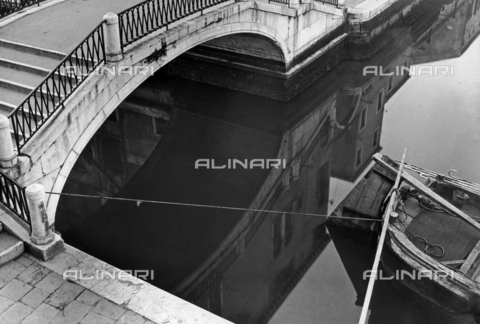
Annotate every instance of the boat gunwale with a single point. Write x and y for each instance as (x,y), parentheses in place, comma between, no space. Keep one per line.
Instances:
(459,284)
(421,260)
(409,179)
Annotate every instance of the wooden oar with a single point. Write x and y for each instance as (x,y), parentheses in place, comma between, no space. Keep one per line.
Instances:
(371,283)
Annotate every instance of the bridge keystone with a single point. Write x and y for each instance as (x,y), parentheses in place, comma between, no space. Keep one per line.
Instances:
(111,33)
(8,156)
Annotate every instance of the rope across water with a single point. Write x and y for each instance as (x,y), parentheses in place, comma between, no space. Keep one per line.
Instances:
(141,201)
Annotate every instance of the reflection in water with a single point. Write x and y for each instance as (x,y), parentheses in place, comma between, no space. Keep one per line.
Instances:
(248,266)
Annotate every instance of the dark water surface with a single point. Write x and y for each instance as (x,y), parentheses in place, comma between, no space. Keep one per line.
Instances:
(271,267)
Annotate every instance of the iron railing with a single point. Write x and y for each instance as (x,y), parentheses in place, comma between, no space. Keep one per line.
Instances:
(13,197)
(287,2)
(149,16)
(332,2)
(8,7)
(57,87)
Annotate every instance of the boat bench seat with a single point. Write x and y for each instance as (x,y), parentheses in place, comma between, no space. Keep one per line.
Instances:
(470,261)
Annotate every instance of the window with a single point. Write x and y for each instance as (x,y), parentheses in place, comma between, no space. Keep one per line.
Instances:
(390,83)
(323,183)
(278,234)
(159,125)
(376,137)
(358,159)
(368,89)
(380,101)
(363,118)
(283,226)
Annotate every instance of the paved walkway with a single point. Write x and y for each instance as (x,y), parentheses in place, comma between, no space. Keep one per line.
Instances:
(62,26)
(32,294)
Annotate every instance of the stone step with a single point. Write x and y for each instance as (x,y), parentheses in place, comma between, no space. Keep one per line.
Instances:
(17,54)
(7,108)
(24,67)
(19,76)
(23,89)
(32,49)
(10,247)
(11,97)
(29,69)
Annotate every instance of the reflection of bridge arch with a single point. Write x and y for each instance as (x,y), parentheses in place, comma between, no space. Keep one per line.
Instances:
(129,84)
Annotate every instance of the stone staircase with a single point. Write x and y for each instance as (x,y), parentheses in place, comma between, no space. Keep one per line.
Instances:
(10,247)
(22,69)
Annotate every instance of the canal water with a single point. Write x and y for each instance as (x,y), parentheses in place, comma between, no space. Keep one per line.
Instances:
(253,245)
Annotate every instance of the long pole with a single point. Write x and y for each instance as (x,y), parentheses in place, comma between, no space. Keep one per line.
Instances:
(376,262)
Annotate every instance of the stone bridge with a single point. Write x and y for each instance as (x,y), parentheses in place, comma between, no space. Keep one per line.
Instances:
(255,29)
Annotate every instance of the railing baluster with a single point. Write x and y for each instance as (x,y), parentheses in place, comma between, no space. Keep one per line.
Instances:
(7,8)
(149,16)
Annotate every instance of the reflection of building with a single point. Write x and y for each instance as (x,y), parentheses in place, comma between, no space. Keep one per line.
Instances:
(451,34)
(275,249)
(360,109)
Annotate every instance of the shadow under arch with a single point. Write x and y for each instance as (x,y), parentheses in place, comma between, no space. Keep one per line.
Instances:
(128,85)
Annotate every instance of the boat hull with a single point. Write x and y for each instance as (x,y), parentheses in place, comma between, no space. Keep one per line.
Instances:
(447,302)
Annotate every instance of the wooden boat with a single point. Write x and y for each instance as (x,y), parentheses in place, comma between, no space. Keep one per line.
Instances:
(432,252)
(463,194)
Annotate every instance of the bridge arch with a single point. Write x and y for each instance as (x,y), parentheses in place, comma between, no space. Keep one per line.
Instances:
(113,91)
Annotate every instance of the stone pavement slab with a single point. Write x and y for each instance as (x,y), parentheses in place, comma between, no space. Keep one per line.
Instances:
(15,290)
(94,318)
(73,313)
(33,274)
(108,309)
(15,314)
(24,261)
(5,303)
(64,295)
(50,283)
(88,298)
(130,318)
(11,270)
(42,315)
(35,297)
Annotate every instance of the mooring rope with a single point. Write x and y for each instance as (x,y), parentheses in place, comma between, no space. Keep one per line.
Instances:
(141,201)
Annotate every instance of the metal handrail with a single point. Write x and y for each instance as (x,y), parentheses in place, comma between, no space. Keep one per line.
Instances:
(57,87)
(332,2)
(287,2)
(144,18)
(12,195)
(8,7)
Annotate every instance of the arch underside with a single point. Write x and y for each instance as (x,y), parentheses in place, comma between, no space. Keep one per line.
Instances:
(232,39)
